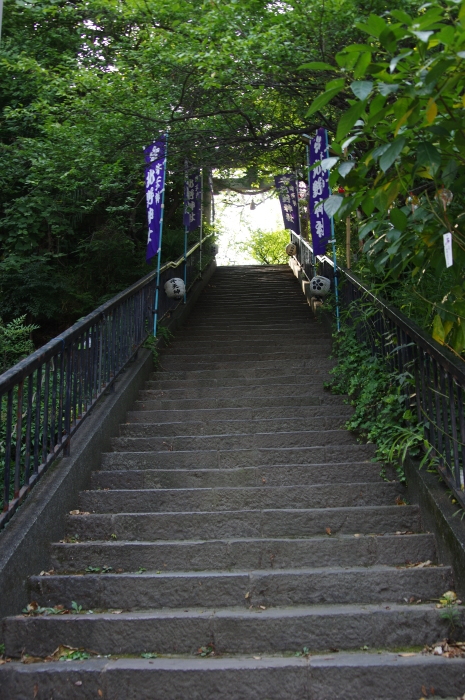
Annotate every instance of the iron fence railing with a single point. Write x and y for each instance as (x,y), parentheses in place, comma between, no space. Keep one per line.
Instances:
(435,392)
(45,397)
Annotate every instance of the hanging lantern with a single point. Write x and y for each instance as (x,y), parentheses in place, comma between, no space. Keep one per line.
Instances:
(320,286)
(175,288)
(291,249)
(214,249)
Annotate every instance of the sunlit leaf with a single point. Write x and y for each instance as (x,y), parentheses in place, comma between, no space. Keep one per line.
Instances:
(332,204)
(389,156)
(361,88)
(317,65)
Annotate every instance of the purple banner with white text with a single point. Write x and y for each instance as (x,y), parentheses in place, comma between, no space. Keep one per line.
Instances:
(320,222)
(192,199)
(154,189)
(287,188)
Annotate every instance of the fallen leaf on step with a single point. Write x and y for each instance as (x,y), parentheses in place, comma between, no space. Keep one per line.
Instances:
(247,595)
(262,607)
(36,690)
(407,654)
(116,612)
(257,658)
(263,482)
(357,535)
(47,573)
(79,512)
(328,530)
(400,501)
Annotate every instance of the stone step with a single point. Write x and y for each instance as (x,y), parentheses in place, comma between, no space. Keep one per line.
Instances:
(245,368)
(241,363)
(339,676)
(229,427)
(290,388)
(246,554)
(250,339)
(286,345)
(278,400)
(206,415)
(305,522)
(289,475)
(263,355)
(255,334)
(237,631)
(225,459)
(294,367)
(248,497)
(269,588)
(316,378)
(247,441)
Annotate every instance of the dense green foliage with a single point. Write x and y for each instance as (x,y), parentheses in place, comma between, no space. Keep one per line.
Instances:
(85,85)
(381,413)
(267,247)
(15,342)
(403,133)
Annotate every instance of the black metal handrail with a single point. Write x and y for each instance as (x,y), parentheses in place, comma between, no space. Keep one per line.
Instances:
(45,397)
(437,375)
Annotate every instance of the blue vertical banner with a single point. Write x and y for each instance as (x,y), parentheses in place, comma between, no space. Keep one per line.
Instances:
(320,222)
(192,199)
(155,172)
(287,188)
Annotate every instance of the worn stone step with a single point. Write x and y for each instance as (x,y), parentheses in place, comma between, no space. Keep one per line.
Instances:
(310,413)
(305,368)
(289,347)
(303,438)
(290,388)
(169,359)
(240,362)
(254,334)
(231,631)
(289,475)
(249,369)
(229,427)
(317,377)
(225,459)
(293,522)
(311,399)
(246,554)
(343,676)
(255,497)
(270,588)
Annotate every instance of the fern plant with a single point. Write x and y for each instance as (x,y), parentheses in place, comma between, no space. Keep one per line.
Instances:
(15,341)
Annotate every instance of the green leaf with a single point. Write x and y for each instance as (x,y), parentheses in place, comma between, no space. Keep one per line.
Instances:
(387,89)
(345,168)
(374,26)
(422,36)
(388,40)
(429,156)
(396,59)
(322,100)
(368,205)
(348,119)
(398,219)
(328,163)
(361,88)
(389,156)
(402,16)
(362,65)
(337,83)
(332,204)
(438,330)
(317,65)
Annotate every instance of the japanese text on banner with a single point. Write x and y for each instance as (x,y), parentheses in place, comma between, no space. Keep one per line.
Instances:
(154,188)
(320,223)
(286,186)
(192,199)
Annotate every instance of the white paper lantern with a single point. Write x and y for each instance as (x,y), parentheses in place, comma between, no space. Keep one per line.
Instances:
(320,286)
(214,249)
(175,288)
(291,249)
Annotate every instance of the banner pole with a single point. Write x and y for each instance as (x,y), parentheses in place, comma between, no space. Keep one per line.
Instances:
(157,296)
(333,242)
(201,221)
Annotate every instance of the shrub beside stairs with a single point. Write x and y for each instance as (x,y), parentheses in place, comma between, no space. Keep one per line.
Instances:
(237,542)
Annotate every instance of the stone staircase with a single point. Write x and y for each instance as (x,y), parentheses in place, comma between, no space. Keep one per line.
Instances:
(238,543)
